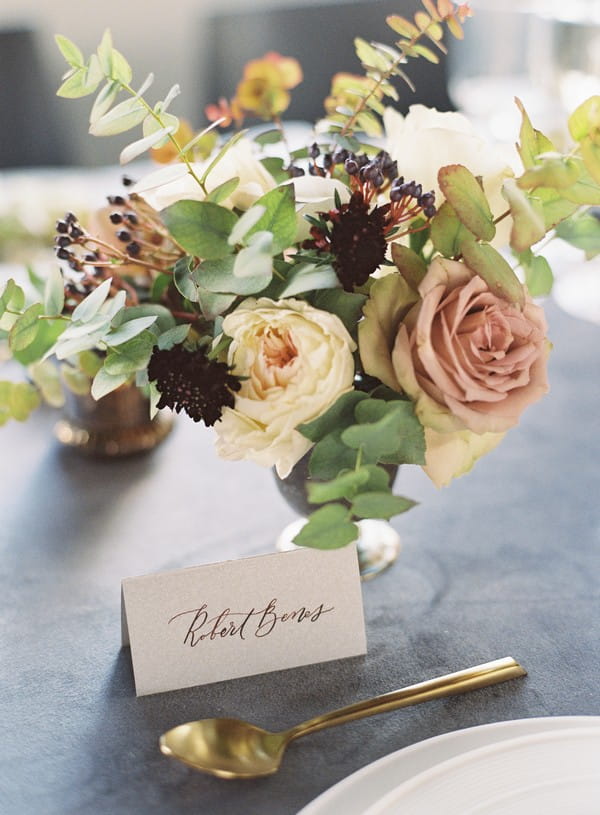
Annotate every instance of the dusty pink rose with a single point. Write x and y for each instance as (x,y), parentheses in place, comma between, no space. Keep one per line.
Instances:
(471,361)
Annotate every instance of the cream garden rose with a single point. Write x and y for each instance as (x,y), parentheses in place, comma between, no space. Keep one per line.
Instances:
(297,360)
(426,139)
(164,187)
(471,361)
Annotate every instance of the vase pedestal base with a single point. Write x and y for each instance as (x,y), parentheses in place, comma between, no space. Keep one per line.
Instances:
(378,545)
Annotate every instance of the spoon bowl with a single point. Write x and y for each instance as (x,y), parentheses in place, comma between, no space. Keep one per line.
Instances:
(228,748)
(231,748)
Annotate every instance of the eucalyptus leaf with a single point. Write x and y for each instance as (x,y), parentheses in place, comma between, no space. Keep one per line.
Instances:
(217,276)
(222,153)
(69,50)
(183,280)
(46,336)
(380,505)
(329,456)
(161,283)
(345,305)
(122,117)
(410,265)
(419,236)
(212,304)
(448,231)
(272,136)
(585,119)
(249,219)
(279,217)
(75,380)
(345,485)
(254,262)
(388,431)
(309,277)
(12,301)
(104,52)
(86,341)
(90,305)
(77,84)
(327,528)
(464,193)
(201,227)
(161,121)
(90,363)
(160,318)
(532,142)
(538,277)
(105,383)
(140,146)
(582,231)
(557,172)
(339,415)
(25,329)
(223,191)
(590,152)
(46,378)
(527,214)
(110,308)
(489,264)
(131,356)
(121,69)
(17,401)
(173,336)
(54,292)
(128,330)
(275,166)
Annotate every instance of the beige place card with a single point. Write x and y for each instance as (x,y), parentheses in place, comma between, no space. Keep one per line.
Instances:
(242,617)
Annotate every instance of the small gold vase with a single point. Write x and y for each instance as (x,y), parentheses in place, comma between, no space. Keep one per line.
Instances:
(119,424)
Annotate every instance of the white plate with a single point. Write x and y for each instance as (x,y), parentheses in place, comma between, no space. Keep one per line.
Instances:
(355,794)
(550,773)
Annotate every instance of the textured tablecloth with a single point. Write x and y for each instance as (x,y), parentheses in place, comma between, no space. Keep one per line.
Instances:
(502,562)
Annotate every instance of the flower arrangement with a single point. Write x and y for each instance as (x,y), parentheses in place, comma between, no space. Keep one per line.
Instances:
(352,300)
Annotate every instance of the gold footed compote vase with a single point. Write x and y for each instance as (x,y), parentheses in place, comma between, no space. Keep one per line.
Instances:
(378,544)
(118,424)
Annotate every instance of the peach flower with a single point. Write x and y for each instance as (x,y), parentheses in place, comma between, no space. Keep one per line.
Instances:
(471,361)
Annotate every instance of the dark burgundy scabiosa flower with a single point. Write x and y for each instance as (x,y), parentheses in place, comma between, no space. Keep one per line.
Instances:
(357,240)
(190,381)
(356,234)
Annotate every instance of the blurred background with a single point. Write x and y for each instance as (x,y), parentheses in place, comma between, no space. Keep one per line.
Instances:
(545,51)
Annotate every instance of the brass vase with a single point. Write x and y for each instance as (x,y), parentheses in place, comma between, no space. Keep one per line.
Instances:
(118,424)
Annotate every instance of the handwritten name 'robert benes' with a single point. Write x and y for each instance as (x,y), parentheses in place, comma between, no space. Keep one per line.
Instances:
(205,626)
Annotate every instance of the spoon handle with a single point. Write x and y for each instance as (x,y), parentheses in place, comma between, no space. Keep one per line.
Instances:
(480,676)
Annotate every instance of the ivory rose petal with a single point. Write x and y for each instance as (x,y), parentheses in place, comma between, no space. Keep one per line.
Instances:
(296,360)
(426,139)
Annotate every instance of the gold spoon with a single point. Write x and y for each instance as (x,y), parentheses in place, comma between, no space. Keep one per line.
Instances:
(230,748)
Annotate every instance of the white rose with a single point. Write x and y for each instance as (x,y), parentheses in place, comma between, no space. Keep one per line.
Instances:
(174,182)
(315,194)
(297,360)
(426,139)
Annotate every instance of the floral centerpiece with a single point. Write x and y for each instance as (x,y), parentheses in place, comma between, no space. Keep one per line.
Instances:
(356,300)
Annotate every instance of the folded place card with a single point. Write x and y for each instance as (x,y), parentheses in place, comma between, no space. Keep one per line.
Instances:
(242,617)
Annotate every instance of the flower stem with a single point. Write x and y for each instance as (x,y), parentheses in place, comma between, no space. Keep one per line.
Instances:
(171,137)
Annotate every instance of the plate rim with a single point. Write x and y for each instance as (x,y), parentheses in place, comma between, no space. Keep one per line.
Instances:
(321,803)
(462,759)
